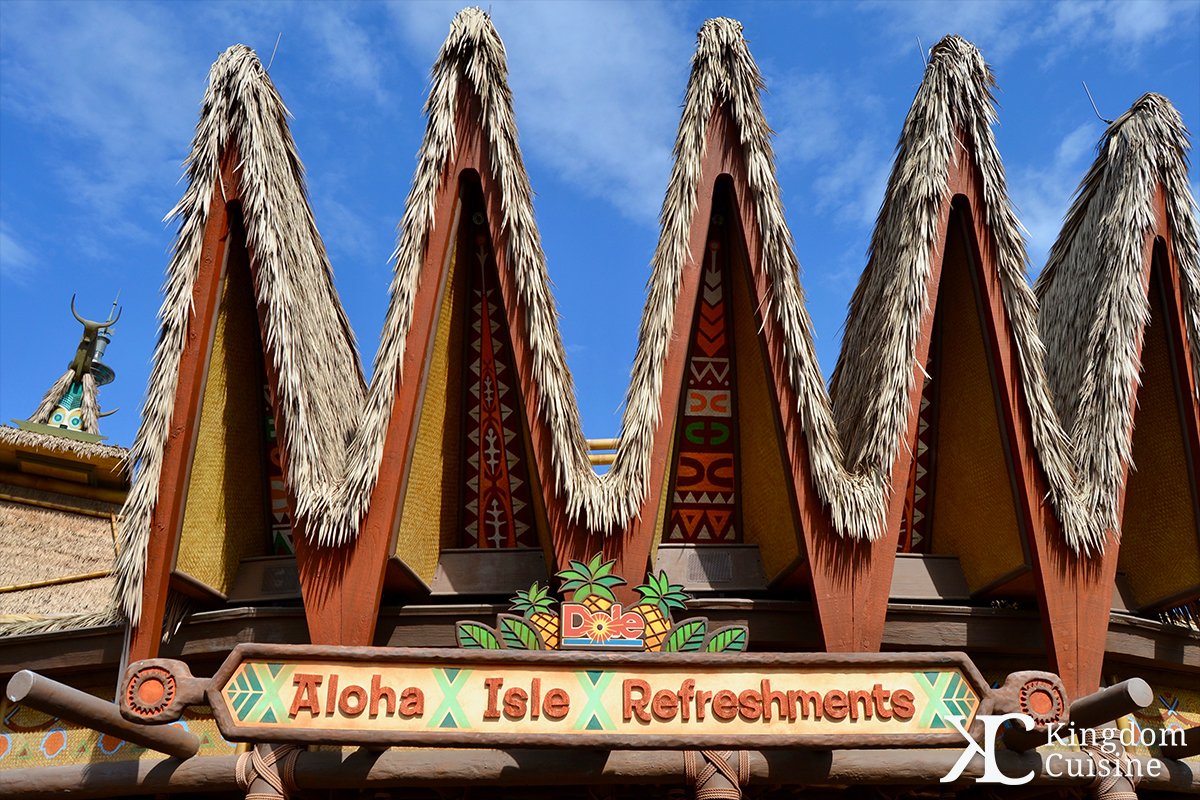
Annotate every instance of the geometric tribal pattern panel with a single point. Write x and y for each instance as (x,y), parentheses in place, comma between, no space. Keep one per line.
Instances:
(914,525)
(279,515)
(498,511)
(704,507)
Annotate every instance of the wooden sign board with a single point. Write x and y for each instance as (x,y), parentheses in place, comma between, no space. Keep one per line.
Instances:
(393,696)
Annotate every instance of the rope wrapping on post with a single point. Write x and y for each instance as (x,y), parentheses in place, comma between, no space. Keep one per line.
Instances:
(716,763)
(1115,777)
(274,766)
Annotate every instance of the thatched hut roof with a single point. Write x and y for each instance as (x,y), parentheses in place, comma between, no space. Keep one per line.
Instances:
(75,448)
(723,74)
(307,335)
(954,98)
(46,537)
(1094,307)
(336,430)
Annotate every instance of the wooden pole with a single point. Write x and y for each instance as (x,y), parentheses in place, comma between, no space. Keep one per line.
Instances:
(51,697)
(1098,708)
(1108,704)
(1189,747)
(359,769)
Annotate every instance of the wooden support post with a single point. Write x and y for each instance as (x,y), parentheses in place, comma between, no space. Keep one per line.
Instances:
(52,697)
(266,772)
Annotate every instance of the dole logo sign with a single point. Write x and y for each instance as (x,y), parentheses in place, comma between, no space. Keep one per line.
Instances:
(590,618)
(582,627)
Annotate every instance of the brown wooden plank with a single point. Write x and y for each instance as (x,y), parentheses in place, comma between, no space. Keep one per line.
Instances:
(185,421)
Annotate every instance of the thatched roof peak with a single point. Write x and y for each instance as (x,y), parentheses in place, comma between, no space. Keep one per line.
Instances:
(952,113)
(1093,305)
(305,330)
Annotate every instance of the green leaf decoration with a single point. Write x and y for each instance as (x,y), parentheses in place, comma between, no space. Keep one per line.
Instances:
(518,634)
(594,578)
(659,591)
(534,600)
(686,636)
(729,639)
(475,636)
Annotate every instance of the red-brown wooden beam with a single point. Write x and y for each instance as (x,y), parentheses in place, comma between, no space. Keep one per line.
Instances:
(343,586)
(167,519)
(1075,592)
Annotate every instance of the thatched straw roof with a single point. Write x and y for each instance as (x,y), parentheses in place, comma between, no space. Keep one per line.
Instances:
(723,74)
(307,334)
(41,541)
(336,432)
(874,379)
(61,444)
(1094,308)
(90,404)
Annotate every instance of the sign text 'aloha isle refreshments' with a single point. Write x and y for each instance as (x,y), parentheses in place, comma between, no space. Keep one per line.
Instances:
(593,673)
(578,699)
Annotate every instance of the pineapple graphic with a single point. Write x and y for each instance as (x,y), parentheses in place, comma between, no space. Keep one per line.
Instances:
(592,583)
(659,596)
(536,605)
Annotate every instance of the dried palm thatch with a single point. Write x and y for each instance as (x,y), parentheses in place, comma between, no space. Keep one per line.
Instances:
(1094,309)
(723,73)
(61,444)
(306,334)
(955,97)
(54,395)
(42,540)
(874,372)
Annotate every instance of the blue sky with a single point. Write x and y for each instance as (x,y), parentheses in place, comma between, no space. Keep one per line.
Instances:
(98,102)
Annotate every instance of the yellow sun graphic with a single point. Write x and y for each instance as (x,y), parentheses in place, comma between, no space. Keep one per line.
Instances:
(600,629)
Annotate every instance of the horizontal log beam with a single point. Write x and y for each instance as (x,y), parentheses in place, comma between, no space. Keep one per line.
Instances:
(1093,710)
(1112,702)
(395,768)
(51,697)
(1188,748)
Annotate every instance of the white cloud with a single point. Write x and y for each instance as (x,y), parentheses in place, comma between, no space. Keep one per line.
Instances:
(597,89)
(1005,28)
(16,262)
(350,57)
(1042,194)
(109,84)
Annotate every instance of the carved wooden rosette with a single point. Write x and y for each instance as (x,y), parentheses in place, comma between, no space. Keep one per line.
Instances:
(157,690)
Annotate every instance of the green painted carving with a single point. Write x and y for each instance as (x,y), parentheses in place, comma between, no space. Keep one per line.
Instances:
(475,636)
(686,636)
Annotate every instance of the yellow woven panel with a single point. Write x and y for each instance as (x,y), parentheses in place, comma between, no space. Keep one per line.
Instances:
(974,514)
(429,516)
(766,498)
(226,515)
(1159,550)
(661,519)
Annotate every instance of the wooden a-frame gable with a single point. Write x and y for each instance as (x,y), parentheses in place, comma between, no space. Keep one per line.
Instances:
(223,489)
(1160,503)
(404,556)
(1118,307)
(254,375)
